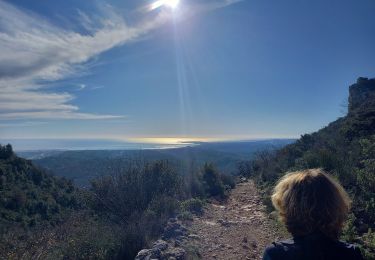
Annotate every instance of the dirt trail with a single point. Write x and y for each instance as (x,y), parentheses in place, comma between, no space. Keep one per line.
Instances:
(236,229)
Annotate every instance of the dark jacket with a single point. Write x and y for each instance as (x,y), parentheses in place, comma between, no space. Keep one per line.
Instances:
(312,247)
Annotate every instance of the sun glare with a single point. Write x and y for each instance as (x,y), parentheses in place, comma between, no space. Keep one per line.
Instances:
(171,3)
(170,140)
(167,3)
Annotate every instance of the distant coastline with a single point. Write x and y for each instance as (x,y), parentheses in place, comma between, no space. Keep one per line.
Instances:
(33,145)
(29,145)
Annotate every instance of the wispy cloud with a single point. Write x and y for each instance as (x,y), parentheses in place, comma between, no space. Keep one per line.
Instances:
(55,114)
(33,50)
(96,87)
(81,86)
(214,4)
(22,124)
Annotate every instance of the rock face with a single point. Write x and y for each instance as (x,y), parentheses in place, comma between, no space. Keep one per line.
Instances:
(361,94)
(360,120)
(169,247)
(174,230)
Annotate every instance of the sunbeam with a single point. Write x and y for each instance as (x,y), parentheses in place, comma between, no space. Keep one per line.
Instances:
(173,4)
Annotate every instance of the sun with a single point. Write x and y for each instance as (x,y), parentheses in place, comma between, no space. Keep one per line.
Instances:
(173,4)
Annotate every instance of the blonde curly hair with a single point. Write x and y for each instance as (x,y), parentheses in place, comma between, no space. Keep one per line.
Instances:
(309,201)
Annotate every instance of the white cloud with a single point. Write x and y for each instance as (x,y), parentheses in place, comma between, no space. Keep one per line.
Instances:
(81,86)
(22,124)
(55,114)
(96,87)
(34,50)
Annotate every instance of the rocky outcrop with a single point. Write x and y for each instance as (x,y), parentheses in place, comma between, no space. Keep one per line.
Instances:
(361,93)
(169,247)
(360,120)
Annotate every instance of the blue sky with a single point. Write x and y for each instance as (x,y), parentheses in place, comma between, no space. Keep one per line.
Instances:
(213,69)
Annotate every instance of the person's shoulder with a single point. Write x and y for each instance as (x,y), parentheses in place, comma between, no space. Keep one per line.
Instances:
(277,250)
(288,249)
(350,251)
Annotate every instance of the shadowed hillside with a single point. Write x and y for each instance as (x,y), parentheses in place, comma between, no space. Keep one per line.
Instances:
(29,195)
(47,217)
(346,149)
(82,166)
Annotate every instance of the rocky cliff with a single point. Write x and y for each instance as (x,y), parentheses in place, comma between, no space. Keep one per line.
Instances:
(361,94)
(360,120)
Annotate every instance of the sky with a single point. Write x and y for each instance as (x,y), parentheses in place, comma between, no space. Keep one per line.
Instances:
(203,70)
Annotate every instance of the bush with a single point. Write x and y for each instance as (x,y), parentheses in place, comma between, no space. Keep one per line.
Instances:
(212,182)
(194,185)
(140,199)
(185,215)
(228,181)
(133,189)
(193,205)
(163,206)
(349,232)
(369,241)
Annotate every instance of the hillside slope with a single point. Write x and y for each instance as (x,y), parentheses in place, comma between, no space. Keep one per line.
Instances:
(345,149)
(28,195)
(82,166)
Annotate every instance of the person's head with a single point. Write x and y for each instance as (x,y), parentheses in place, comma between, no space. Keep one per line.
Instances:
(310,201)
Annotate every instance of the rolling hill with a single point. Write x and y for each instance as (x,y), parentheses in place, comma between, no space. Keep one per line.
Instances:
(82,166)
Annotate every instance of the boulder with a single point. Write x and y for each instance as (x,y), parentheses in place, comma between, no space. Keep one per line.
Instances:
(175,253)
(193,236)
(144,254)
(174,230)
(169,247)
(160,245)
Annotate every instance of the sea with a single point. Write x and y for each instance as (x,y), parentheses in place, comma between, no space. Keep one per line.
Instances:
(23,145)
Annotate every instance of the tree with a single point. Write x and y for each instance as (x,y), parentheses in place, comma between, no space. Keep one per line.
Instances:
(6,151)
(212,181)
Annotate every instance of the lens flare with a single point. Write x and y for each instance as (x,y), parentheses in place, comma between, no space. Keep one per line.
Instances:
(172,3)
(167,3)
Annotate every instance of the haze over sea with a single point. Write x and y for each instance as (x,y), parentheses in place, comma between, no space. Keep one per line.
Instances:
(23,145)
(88,144)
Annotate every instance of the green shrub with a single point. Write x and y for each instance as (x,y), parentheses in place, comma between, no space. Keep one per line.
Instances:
(140,199)
(228,181)
(349,232)
(212,181)
(163,205)
(194,184)
(194,206)
(369,241)
(192,251)
(185,215)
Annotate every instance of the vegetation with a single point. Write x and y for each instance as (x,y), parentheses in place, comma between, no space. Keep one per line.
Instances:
(192,206)
(82,166)
(29,196)
(121,213)
(213,186)
(138,200)
(345,149)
